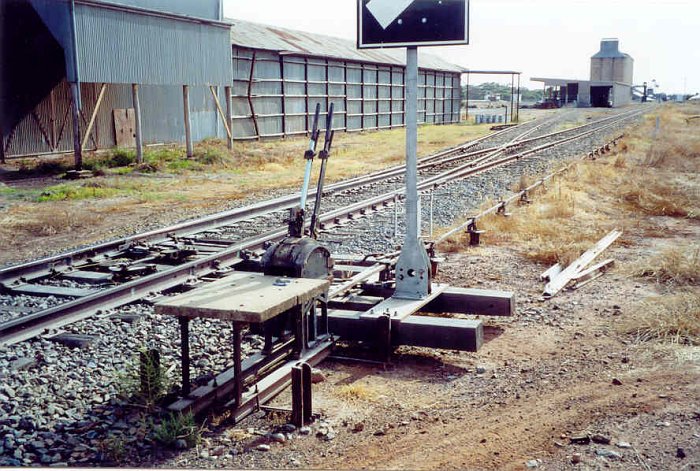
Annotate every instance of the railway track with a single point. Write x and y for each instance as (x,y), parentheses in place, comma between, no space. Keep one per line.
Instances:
(116,273)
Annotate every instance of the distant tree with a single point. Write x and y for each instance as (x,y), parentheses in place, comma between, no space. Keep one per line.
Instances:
(479,92)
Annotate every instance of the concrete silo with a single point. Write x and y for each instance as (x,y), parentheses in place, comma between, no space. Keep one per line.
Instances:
(611,65)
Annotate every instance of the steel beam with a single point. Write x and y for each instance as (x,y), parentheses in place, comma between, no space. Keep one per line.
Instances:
(418,331)
(459,301)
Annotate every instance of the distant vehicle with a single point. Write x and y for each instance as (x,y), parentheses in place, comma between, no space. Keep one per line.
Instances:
(547,104)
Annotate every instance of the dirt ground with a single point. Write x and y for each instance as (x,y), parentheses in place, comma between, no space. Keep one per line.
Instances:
(549,374)
(563,384)
(560,385)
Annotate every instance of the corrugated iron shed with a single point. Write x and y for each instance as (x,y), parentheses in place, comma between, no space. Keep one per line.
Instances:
(121,45)
(282,40)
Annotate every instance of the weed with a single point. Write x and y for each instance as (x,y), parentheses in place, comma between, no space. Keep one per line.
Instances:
(120,158)
(355,391)
(675,266)
(43,167)
(113,449)
(179,426)
(145,380)
(673,319)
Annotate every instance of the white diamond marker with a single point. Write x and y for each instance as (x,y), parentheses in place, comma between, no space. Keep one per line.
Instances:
(386,11)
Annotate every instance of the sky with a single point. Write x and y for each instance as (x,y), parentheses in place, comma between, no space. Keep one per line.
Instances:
(540,38)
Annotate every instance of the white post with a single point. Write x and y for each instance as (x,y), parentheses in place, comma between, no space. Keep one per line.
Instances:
(188,124)
(413,267)
(137,122)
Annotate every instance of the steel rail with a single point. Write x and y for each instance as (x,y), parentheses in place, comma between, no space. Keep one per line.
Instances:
(33,325)
(517,196)
(65,260)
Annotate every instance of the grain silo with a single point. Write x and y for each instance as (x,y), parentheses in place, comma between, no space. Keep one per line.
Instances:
(609,64)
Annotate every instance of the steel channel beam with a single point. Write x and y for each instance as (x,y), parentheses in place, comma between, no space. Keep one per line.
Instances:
(416,331)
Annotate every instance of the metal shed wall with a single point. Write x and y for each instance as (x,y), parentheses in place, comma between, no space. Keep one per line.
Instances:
(119,46)
(209,9)
(48,129)
(275,94)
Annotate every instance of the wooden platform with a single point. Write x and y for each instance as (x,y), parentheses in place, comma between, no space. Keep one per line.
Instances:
(244,297)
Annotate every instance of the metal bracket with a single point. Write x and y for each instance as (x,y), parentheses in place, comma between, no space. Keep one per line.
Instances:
(502,210)
(474,234)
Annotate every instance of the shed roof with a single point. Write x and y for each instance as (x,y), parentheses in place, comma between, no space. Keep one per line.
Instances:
(272,38)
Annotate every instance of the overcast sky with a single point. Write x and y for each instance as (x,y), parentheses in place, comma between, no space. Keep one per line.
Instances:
(541,38)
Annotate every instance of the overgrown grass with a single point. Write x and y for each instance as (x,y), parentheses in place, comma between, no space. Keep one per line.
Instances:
(672,319)
(674,266)
(551,230)
(596,196)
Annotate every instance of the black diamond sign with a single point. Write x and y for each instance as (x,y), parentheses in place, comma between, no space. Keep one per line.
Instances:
(402,23)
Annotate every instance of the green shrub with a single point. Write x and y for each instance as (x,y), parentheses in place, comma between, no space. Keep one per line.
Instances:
(178,426)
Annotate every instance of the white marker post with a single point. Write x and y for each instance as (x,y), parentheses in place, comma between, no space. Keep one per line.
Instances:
(413,267)
(411,23)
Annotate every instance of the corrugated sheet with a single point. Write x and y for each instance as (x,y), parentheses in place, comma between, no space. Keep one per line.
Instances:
(372,93)
(162,114)
(258,36)
(209,9)
(126,47)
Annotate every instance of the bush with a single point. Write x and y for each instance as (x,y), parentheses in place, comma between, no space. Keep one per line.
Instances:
(178,426)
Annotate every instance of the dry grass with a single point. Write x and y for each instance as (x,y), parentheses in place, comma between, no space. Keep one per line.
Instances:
(674,266)
(549,231)
(672,319)
(356,391)
(43,221)
(596,196)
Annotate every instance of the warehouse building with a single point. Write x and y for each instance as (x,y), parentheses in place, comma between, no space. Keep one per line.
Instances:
(610,83)
(82,75)
(279,75)
(96,63)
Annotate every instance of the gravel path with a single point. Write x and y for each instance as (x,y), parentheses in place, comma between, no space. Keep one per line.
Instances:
(61,405)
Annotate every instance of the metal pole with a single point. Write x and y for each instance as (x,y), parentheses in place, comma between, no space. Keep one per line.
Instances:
(229,114)
(517,106)
(75,108)
(512,91)
(185,354)
(413,266)
(188,128)
(137,122)
(467,105)
(412,143)
(237,356)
